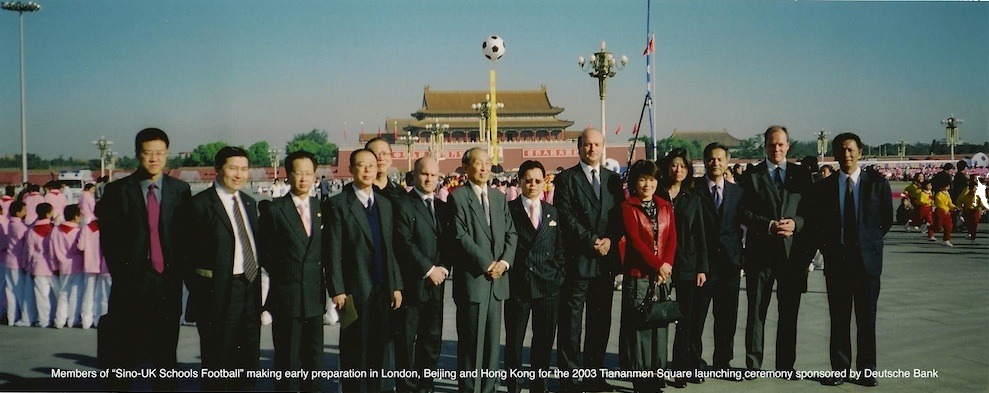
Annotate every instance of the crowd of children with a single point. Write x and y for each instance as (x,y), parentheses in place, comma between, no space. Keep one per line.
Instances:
(54,271)
(932,206)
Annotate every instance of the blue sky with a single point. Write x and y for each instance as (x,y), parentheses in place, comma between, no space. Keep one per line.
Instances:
(243,71)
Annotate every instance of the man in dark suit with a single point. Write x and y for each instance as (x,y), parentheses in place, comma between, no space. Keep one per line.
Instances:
(358,226)
(853,212)
(142,218)
(292,253)
(486,236)
(424,230)
(587,197)
(382,152)
(223,276)
(772,210)
(721,200)
(536,277)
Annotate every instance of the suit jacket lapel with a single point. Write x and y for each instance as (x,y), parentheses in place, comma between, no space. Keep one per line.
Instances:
(287,208)
(357,209)
(219,209)
(770,186)
(420,207)
(585,186)
(518,210)
(478,210)
(134,193)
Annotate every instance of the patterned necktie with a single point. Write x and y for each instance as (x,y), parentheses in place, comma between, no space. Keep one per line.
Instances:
(154,214)
(533,217)
(851,232)
(595,183)
(250,264)
(717,196)
(306,220)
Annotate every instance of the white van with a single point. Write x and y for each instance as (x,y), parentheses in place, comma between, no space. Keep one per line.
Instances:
(75,180)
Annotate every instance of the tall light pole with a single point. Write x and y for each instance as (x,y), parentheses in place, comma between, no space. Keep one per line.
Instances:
(21,8)
(901,149)
(408,140)
(104,146)
(436,138)
(822,144)
(951,132)
(273,155)
(485,108)
(602,65)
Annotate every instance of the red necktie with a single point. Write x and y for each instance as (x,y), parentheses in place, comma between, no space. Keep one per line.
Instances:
(154,212)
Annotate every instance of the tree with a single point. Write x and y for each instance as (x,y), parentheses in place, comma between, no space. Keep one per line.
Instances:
(259,155)
(693,147)
(315,142)
(203,155)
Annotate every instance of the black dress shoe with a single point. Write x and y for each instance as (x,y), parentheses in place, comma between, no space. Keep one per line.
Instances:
(695,380)
(752,375)
(678,383)
(831,381)
(792,376)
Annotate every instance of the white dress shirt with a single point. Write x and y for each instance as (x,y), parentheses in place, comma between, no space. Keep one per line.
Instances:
(226,197)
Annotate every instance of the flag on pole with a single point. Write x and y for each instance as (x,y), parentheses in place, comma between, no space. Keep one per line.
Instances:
(618,130)
(650,47)
(635,129)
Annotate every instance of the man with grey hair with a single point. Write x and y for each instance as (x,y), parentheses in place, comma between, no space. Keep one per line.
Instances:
(485,232)
(587,198)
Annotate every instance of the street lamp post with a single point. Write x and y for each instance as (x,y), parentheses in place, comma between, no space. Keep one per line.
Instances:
(408,140)
(273,154)
(951,132)
(21,8)
(822,144)
(601,66)
(104,146)
(436,138)
(485,108)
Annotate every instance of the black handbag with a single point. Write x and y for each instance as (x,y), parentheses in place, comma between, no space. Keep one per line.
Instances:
(657,309)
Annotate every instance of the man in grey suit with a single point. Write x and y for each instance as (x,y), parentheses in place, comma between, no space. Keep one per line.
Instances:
(486,235)
(588,196)
(358,230)
(853,212)
(773,212)
(536,278)
(291,244)
(424,229)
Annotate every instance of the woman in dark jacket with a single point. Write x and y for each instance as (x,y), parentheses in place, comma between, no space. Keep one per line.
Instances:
(647,258)
(690,260)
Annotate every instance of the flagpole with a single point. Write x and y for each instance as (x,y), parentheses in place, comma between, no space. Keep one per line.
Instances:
(650,48)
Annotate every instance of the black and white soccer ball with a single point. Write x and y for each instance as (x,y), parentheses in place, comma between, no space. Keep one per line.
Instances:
(493,48)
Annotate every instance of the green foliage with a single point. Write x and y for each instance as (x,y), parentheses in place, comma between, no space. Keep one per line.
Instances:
(259,155)
(315,142)
(203,155)
(693,147)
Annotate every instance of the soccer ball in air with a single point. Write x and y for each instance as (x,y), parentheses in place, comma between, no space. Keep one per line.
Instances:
(493,48)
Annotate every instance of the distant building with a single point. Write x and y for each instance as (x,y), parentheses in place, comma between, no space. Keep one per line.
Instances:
(528,128)
(706,137)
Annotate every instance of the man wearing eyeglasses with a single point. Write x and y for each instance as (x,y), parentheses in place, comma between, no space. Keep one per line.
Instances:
(291,251)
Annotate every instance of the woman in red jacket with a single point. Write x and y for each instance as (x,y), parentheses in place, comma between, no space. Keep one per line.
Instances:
(650,243)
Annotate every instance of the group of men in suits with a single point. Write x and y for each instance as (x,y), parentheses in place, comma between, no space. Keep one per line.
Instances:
(388,253)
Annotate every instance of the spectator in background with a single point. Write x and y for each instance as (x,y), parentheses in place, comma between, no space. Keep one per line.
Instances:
(68,256)
(7,199)
(55,197)
(972,204)
(19,288)
(943,207)
(42,265)
(32,198)
(87,203)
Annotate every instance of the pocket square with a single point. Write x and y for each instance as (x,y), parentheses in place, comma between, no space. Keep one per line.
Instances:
(552,223)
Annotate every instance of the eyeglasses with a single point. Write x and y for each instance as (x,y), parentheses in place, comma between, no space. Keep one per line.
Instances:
(364,165)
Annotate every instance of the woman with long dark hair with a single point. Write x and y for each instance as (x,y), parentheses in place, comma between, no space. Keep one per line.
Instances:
(690,260)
